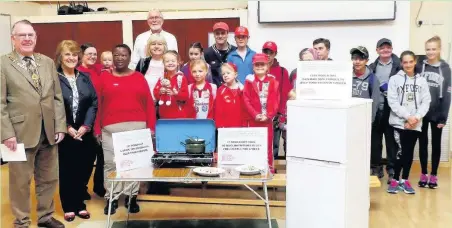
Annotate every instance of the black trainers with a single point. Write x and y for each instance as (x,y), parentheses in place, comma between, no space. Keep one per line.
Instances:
(134,207)
(390,175)
(114,206)
(380,172)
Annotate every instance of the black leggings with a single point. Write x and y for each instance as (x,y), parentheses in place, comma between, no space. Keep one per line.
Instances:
(436,146)
(405,142)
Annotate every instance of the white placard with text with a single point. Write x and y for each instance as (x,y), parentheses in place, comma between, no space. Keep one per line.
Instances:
(133,149)
(324,80)
(242,146)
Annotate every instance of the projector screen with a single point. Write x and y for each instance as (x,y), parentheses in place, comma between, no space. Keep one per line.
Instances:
(325,11)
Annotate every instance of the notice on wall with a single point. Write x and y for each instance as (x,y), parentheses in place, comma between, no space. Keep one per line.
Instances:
(324,80)
(242,146)
(133,149)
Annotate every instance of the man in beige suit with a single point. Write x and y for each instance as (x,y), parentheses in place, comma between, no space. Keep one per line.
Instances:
(32,113)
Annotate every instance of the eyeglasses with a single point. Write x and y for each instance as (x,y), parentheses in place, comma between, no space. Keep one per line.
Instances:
(24,36)
(154,18)
(90,54)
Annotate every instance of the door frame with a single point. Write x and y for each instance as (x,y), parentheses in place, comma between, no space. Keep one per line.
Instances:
(127,18)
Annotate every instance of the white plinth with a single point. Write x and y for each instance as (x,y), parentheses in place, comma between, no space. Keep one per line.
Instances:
(328,153)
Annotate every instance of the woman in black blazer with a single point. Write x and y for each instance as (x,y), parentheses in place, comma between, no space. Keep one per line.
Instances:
(76,151)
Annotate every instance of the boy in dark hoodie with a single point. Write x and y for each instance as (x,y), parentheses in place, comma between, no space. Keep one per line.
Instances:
(386,65)
(438,75)
(364,84)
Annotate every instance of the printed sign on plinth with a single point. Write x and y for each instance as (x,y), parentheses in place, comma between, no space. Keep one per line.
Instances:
(324,80)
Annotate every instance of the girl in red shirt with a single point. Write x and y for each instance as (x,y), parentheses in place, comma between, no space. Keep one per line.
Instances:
(261,97)
(229,109)
(201,93)
(171,91)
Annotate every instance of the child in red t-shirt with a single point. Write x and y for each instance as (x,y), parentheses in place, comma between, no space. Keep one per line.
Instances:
(229,108)
(261,97)
(201,93)
(171,90)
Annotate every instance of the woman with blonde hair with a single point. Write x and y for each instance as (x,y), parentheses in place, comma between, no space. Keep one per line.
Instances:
(152,66)
(438,75)
(76,153)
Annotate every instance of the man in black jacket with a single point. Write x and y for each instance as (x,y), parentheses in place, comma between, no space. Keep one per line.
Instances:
(216,54)
(386,65)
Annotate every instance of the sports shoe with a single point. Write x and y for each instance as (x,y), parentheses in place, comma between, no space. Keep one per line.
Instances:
(380,172)
(433,182)
(423,180)
(406,187)
(393,187)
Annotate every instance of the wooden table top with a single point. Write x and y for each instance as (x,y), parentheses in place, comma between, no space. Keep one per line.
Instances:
(184,174)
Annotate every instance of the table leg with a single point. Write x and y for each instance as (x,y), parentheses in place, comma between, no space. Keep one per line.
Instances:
(203,188)
(110,204)
(267,205)
(128,208)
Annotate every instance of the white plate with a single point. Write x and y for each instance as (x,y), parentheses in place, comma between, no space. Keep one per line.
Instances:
(208,171)
(248,169)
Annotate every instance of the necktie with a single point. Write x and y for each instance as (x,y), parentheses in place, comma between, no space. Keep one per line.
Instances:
(33,72)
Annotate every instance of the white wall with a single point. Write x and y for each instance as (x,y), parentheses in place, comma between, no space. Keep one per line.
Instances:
(292,37)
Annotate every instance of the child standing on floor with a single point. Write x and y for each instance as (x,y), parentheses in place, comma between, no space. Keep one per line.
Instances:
(107,61)
(201,93)
(229,109)
(261,97)
(171,91)
(409,99)
(438,75)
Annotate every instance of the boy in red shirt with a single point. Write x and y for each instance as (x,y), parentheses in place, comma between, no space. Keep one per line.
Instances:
(282,76)
(172,89)
(261,99)
(229,109)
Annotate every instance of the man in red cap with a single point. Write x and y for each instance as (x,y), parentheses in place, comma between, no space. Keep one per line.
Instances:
(260,97)
(242,57)
(282,76)
(216,54)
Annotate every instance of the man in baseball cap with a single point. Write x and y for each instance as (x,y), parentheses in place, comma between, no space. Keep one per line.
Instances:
(262,103)
(284,86)
(216,54)
(242,57)
(386,65)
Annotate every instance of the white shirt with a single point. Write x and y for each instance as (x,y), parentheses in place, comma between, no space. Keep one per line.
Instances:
(139,49)
(153,74)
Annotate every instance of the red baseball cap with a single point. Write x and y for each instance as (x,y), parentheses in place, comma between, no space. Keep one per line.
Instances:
(271,46)
(260,58)
(241,31)
(221,25)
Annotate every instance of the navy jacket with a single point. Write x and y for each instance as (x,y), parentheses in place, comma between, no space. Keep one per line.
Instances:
(215,60)
(396,67)
(87,105)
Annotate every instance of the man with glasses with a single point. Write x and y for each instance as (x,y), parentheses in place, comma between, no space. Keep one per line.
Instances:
(32,114)
(243,56)
(216,54)
(155,22)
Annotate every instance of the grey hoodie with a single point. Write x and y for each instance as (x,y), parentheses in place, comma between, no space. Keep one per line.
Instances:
(367,86)
(407,96)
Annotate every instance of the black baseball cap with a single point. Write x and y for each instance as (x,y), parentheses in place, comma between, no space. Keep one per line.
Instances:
(360,50)
(384,41)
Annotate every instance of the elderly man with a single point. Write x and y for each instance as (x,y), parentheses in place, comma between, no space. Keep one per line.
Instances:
(32,113)
(155,22)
